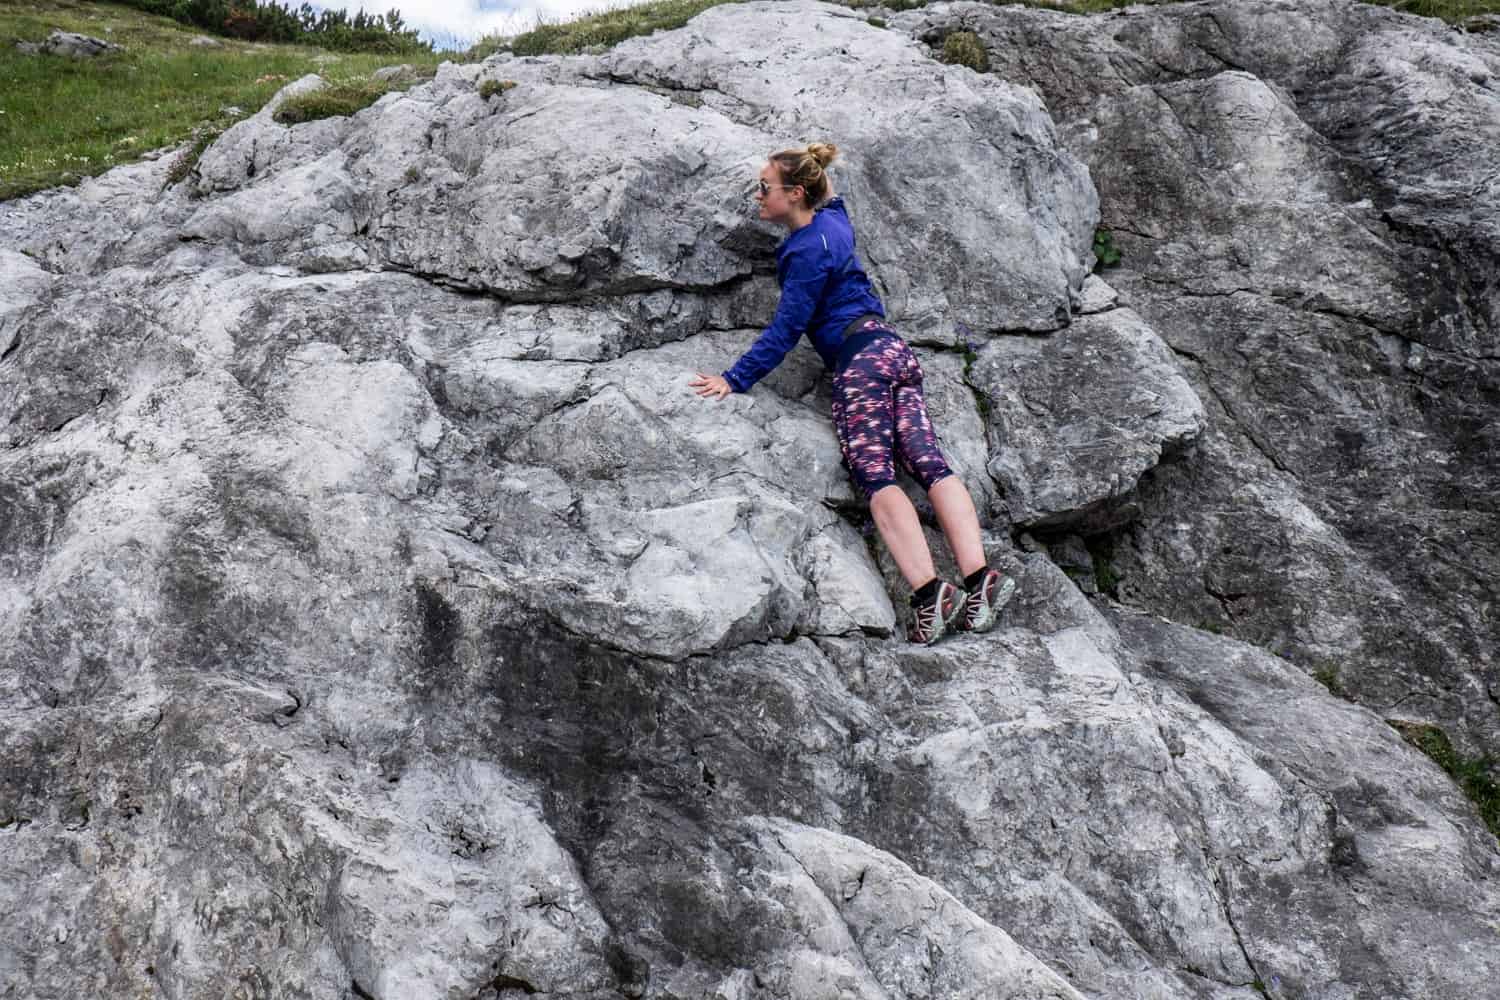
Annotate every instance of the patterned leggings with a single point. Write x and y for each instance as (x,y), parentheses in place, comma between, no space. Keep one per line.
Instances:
(877,403)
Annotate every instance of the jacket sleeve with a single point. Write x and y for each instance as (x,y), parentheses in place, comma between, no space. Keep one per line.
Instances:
(808,270)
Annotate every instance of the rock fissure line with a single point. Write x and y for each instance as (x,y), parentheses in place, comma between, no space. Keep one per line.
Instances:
(1224,898)
(864,960)
(1229,412)
(1220,883)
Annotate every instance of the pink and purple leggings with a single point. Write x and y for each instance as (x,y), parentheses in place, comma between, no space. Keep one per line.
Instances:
(879,416)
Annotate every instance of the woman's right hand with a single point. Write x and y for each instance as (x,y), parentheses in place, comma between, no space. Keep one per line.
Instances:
(711,385)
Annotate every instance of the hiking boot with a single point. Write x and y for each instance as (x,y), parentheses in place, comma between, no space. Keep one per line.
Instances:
(935,618)
(982,605)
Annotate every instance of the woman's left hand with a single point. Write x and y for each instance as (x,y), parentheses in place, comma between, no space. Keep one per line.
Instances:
(711,385)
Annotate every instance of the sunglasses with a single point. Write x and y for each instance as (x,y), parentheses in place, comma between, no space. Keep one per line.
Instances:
(765,188)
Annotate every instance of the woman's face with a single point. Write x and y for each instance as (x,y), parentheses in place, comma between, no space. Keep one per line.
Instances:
(776,203)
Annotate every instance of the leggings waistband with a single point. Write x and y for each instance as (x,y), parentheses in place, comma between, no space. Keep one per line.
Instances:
(859,334)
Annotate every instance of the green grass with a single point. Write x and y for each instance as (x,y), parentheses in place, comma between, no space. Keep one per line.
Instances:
(63,119)
(604,28)
(343,97)
(1475,775)
(1447,10)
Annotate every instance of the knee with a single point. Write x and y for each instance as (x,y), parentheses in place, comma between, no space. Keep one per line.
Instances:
(883,497)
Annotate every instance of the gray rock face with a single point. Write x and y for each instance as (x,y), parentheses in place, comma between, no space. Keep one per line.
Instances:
(1078,415)
(382,614)
(1317,245)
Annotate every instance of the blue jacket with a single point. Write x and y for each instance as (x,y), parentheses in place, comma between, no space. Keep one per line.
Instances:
(823,288)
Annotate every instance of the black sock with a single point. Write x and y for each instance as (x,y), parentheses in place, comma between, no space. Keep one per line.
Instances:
(924,593)
(971,582)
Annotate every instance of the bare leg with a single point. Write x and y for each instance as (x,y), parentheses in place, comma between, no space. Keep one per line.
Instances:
(896,520)
(960,523)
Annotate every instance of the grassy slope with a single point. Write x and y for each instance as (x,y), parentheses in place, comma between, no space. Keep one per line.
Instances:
(62,119)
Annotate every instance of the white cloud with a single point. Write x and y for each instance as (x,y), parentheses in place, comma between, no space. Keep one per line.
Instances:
(457,24)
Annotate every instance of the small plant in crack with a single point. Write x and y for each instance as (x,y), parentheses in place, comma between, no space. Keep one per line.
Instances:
(203,138)
(1105,250)
(1107,576)
(1327,674)
(971,355)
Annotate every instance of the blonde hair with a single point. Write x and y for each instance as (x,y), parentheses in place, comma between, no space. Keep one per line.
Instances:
(807,167)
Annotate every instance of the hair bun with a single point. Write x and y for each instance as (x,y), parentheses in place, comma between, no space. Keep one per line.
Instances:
(823,152)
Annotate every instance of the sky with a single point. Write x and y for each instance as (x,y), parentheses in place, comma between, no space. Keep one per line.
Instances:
(457,24)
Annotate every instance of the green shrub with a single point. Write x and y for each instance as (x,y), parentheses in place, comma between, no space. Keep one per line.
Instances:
(965,49)
(489,88)
(875,22)
(272,21)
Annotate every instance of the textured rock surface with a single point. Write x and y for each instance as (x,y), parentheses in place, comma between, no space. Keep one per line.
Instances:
(1078,415)
(382,615)
(1308,214)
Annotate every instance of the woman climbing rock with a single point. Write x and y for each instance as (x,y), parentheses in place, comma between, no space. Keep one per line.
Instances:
(879,414)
